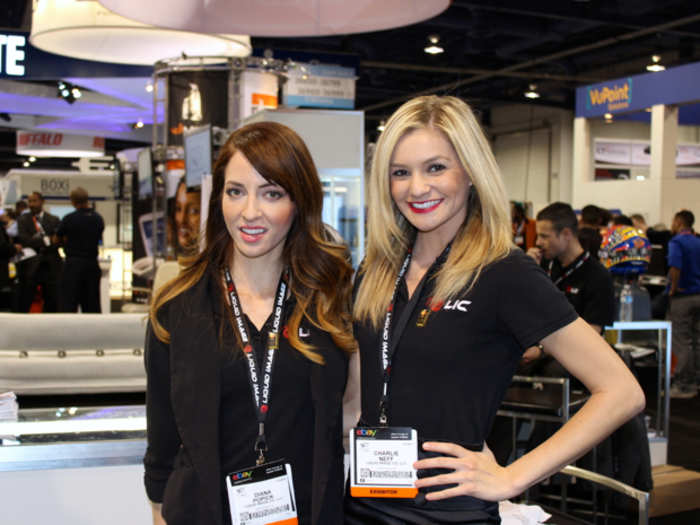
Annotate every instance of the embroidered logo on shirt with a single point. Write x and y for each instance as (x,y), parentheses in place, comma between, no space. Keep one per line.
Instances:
(460,305)
(303,333)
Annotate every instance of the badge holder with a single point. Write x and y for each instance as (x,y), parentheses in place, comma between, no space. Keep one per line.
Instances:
(262,495)
(381,462)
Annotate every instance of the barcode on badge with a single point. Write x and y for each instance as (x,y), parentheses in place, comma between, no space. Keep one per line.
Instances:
(246,516)
(384,474)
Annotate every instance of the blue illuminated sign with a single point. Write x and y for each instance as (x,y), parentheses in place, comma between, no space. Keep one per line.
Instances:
(676,85)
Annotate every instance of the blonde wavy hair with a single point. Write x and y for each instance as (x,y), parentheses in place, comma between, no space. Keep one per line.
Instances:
(486,234)
(321,273)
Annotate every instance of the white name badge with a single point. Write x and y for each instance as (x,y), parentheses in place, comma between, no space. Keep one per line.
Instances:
(381,462)
(262,495)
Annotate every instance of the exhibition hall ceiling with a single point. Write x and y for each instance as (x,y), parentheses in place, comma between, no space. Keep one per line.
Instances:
(493,51)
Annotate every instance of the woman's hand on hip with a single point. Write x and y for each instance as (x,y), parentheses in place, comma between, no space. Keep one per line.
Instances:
(475,474)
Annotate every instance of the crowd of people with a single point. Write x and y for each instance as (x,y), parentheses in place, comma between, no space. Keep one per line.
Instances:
(34,276)
(568,247)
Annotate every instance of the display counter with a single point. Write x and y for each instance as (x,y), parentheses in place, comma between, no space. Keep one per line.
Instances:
(638,337)
(74,465)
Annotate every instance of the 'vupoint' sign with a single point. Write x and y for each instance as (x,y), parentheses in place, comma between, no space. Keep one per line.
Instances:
(610,97)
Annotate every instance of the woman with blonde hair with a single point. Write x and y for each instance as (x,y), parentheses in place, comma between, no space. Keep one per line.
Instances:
(246,350)
(444,308)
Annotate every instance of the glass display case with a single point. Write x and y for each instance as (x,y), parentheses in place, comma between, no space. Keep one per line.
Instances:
(71,437)
(73,465)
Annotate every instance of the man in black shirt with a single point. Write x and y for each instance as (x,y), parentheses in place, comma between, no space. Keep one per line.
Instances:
(586,283)
(80,232)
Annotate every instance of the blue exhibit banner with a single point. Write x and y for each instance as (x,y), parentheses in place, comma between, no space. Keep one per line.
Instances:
(19,60)
(676,85)
(320,86)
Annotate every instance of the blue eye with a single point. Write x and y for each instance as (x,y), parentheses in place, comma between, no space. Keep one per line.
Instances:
(436,167)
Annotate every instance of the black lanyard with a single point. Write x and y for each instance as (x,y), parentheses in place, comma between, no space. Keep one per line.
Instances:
(571,269)
(388,343)
(260,390)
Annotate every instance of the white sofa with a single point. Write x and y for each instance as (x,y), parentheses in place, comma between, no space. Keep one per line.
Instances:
(72,353)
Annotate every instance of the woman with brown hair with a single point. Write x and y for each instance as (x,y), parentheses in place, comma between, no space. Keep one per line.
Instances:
(246,350)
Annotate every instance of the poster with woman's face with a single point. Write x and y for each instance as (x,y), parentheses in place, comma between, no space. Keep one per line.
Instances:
(185,220)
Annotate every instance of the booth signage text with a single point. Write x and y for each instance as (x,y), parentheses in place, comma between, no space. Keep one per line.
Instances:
(43,144)
(12,55)
(322,86)
(676,85)
(55,186)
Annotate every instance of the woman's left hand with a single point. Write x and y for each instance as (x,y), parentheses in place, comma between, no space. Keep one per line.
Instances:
(475,473)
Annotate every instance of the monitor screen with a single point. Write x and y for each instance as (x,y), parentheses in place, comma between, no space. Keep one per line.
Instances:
(145,176)
(197,155)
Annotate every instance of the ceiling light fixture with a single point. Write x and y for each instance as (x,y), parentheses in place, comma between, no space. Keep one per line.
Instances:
(68,92)
(149,87)
(25,164)
(532,92)
(89,31)
(655,65)
(294,19)
(381,126)
(608,118)
(138,125)
(433,48)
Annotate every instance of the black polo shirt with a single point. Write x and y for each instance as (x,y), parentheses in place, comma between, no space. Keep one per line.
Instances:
(451,370)
(291,419)
(589,289)
(82,230)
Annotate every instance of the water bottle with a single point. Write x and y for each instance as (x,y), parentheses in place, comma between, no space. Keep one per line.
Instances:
(626,305)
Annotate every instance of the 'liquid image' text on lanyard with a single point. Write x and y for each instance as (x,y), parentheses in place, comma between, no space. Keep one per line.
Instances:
(262,494)
(381,458)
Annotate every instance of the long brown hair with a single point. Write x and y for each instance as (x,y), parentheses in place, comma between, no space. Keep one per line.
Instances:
(320,271)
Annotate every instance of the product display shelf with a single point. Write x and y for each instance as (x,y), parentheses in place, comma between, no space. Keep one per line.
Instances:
(658,437)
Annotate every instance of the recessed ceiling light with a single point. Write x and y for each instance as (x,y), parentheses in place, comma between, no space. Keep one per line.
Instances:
(149,87)
(433,48)
(381,126)
(655,65)
(532,92)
